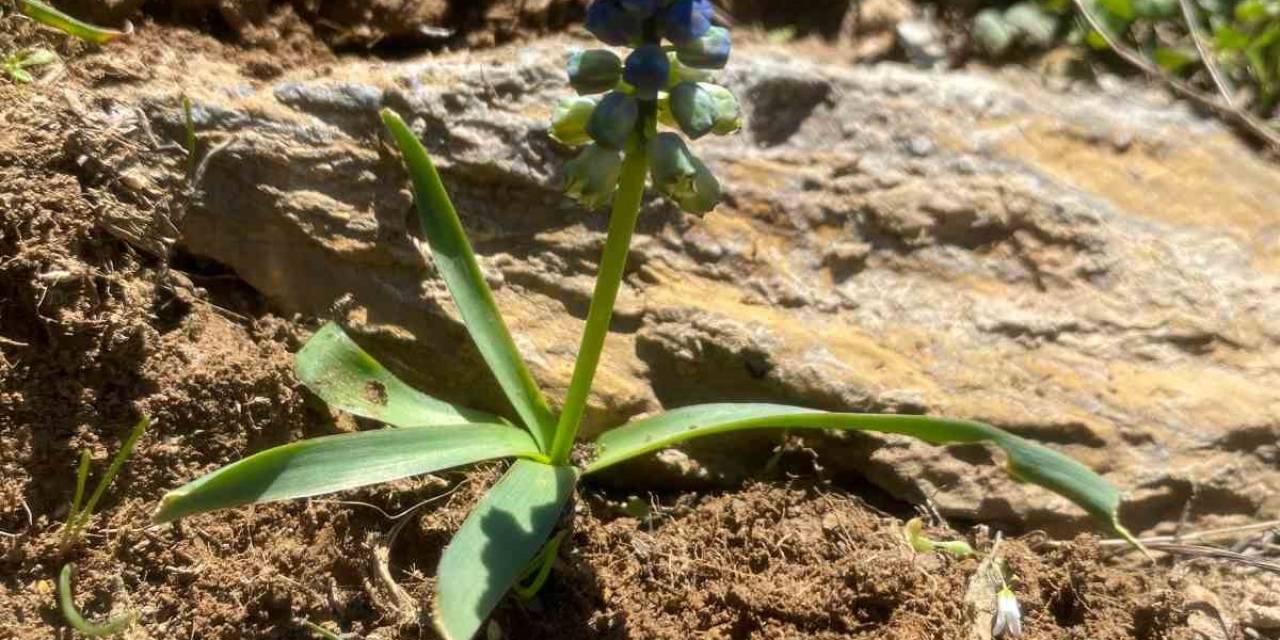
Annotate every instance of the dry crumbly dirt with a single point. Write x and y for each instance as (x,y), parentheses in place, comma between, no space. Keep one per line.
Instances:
(94,333)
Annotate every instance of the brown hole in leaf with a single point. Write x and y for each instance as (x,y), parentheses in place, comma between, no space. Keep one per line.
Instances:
(375,392)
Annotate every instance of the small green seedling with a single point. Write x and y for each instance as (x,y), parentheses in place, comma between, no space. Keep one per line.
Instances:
(512,536)
(18,64)
(49,16)
(66,600)
(913,531)
(320,631)
(80,514)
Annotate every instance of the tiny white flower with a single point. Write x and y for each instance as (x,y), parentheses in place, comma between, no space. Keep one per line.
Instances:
(1008,617)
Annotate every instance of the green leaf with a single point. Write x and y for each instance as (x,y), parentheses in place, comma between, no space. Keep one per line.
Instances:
(1175,59)
(45,14)
(497,542)
(66,600)
(457,264)
(1118,8)
(20,75)
(335,368)
(1027,461)
(345,461)
(1251,11)
(35,58)
(1228,38)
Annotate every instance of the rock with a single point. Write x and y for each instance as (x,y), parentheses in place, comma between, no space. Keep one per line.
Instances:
(954,244)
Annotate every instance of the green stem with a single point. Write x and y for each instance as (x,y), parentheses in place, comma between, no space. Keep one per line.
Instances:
(622,223)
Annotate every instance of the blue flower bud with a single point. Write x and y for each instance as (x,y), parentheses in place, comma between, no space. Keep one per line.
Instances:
(680,176)
(711,51)
(594,71)
(569,122)
(687,20)
(613,24)
(647,70)
(613,120)
(592,177)
(701,108)
(643,8)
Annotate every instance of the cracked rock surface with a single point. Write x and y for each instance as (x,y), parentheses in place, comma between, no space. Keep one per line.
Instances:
(1101,273)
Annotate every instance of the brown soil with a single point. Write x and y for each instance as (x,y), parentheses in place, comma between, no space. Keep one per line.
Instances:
(95,332)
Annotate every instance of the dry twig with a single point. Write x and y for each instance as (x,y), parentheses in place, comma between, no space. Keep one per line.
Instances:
(1240,117)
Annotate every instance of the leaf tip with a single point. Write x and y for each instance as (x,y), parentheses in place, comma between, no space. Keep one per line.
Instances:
(167,510)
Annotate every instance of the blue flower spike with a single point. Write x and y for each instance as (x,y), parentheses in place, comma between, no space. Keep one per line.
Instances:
(647,70)
(594,71)
(650,88)
(614,120)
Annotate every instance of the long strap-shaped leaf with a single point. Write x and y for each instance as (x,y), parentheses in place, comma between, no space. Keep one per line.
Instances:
(335,368)
(1027,461)
(334,463)
(457,263)
(46,14)
(497,542)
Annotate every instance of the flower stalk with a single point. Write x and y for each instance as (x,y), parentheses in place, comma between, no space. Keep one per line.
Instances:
(613,262)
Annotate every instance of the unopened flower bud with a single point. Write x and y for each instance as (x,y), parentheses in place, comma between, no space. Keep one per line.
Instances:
(991,32)
(569,122)
(594,71)
(643,8)
(680,73)
(711,51)
(647,70)
(684,21)
(613,120)
(592,177)
(613,23)
(701,108)
(680,176)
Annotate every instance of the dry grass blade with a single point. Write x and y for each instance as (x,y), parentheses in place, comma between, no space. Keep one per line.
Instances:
(1242,118)
(1206,551)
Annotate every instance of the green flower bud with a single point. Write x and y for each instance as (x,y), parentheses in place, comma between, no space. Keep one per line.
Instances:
(701,108)
(683,73)
(991,32)
(594,71)
(592,177)
(614,119)
(1031,23)
(680,176)
(569,122)
(711,51)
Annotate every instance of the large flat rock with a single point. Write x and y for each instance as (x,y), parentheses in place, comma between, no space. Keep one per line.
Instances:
(1101,272)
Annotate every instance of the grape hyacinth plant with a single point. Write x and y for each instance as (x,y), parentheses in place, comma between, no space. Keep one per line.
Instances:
(631,116)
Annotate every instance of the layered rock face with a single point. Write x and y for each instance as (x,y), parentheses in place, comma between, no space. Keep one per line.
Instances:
(1100,272)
